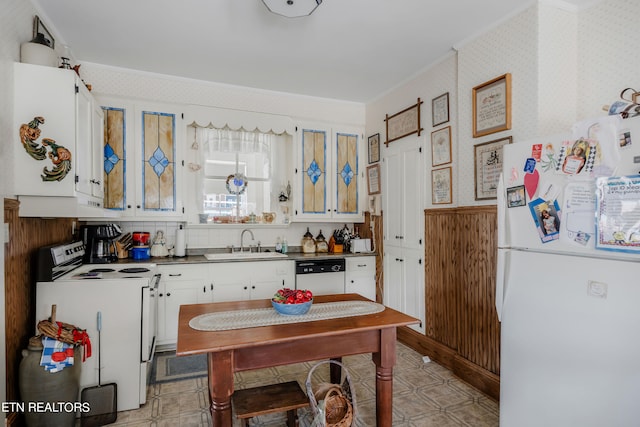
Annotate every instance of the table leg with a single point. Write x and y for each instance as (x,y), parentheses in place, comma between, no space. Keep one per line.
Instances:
(384,360)
(220,370)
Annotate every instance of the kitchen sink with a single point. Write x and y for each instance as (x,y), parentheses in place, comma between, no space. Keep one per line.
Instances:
(243,255)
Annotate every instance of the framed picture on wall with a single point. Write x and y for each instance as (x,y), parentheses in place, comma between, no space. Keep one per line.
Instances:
(39,28)
(374,148)
(441,146)
(441,186)
(492,106)
(440,109)
(404,123)
(373,179)
(488,166)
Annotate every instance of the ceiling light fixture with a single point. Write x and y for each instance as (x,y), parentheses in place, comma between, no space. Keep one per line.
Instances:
(292,8)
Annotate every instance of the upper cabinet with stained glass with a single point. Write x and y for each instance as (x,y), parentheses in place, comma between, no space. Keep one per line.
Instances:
(142,168)
(328,176)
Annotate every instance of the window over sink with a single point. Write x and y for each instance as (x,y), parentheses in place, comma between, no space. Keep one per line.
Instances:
(241,176)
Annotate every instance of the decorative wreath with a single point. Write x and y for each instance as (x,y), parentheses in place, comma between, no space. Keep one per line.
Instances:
(239,182)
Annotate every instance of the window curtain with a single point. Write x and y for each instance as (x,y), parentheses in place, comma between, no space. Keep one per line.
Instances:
(210,140)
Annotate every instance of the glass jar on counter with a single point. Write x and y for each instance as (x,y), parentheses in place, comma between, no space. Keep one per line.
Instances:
(321,244)
(308,243)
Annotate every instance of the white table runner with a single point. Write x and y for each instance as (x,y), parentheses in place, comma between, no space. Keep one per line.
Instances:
(239,319)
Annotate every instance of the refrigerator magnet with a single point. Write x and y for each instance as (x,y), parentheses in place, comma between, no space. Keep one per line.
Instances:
(536,152)
(530,165)
(516,197)
(546,216)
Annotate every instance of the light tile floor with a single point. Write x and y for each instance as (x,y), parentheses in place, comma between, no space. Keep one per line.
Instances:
(424,394)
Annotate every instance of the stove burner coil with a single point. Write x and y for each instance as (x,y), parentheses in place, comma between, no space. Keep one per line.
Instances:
(134,270)
(102,270)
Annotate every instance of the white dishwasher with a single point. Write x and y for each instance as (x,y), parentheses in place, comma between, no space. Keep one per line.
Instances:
(321,276)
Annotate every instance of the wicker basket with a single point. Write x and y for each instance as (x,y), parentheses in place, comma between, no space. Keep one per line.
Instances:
(333,405)
(65,333)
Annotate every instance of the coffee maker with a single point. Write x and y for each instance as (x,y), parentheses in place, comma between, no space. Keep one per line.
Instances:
(99,243)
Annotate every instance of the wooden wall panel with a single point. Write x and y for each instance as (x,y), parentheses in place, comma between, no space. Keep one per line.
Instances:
(462,329)
(441,276)
(26,236)
(479,329)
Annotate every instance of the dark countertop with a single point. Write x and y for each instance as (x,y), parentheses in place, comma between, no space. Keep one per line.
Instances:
(295,256)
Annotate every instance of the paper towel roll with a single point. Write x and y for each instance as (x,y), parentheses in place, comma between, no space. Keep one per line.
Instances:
(180,246)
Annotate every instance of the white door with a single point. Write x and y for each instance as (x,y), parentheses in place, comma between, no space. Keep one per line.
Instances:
(393,179)
(394,289)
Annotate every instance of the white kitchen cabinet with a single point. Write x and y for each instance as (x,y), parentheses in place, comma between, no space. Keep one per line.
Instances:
(235,281)
(143,161)
(215,282)
(179,285)
(59,130)
(402,170)
(329,182)
(360,276)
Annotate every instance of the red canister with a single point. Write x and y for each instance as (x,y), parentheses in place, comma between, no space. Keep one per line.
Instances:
(140,238)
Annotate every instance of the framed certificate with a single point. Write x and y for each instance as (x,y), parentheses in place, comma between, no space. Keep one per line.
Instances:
(441,186)
(440,109)
(373,179)
(374,148)
(488,166)
(404,123)
(492,106)
(441,146)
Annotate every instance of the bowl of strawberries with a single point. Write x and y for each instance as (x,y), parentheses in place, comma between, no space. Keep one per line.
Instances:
(292,302)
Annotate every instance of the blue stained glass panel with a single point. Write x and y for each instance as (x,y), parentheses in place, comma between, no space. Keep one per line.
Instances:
(347,174)
(110,159)
(314,172)
(158,161)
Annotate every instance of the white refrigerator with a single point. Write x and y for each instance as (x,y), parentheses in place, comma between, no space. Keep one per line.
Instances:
(567,292)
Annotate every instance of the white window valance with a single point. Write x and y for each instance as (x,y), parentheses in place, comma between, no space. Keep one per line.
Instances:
(233,141)
(223,118)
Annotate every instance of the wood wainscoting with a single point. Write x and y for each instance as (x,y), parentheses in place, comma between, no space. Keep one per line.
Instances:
(26,236)
(462,328)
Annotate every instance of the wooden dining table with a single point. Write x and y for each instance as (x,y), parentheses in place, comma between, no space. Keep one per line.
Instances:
(230,351)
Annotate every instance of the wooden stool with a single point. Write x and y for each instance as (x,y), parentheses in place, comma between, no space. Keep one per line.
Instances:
(251,402)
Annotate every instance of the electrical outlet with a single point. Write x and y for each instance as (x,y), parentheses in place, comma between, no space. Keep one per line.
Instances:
(426,359)
(597,289)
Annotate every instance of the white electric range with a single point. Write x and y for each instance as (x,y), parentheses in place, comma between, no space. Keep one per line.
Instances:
(124,294)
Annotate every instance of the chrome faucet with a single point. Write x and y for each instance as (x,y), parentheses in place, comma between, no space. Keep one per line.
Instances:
(242,239)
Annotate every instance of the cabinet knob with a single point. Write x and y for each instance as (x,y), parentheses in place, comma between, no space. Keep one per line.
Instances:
(160,295)
(246,287)
(128,206)
(204,289)
(253,287)
(175,275)
(168,294)
(352,281)
(138,206)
